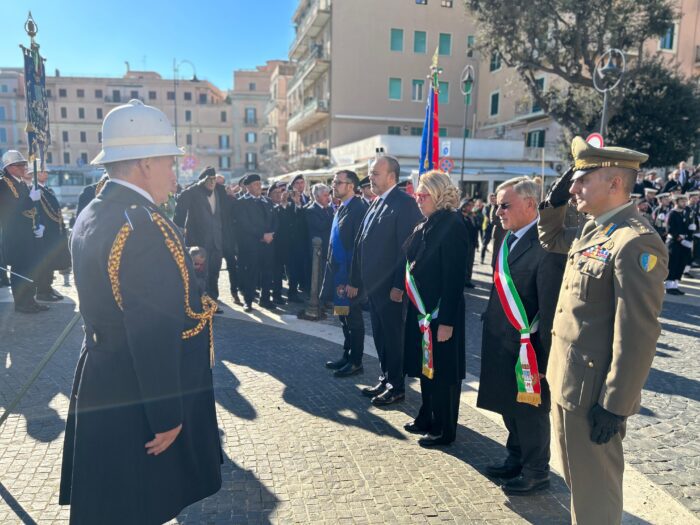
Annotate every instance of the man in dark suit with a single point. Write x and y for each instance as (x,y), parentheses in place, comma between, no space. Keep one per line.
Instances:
(90,192)
(277,194)
(21,230)
(199,211)
(470,221)
(378,268)
(536,275)
(298,252)
(319,218)
(345,227)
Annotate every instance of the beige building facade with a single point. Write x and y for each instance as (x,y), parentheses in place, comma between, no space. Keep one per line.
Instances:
(275,151)
(78,105)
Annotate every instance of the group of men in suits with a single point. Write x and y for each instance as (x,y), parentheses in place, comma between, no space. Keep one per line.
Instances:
(33,234)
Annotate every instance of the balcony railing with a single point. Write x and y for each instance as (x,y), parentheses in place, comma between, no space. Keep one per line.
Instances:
(313,111)
(697,54)
(318,12)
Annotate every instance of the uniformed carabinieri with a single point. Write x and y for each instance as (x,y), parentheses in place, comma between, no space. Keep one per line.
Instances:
(606,323)
(141,438)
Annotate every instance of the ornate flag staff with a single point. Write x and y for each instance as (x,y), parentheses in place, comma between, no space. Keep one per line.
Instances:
(37,128)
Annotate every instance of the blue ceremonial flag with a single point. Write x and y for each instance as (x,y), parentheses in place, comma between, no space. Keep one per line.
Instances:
(429,147)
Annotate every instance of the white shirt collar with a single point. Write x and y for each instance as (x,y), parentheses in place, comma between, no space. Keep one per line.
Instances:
(522,231)
(134,187)
(387,192)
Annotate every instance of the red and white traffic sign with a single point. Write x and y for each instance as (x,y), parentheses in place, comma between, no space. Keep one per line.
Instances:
(595,140)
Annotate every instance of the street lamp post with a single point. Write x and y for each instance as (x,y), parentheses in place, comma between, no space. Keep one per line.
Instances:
(466,85)
(176,70)
(607,77)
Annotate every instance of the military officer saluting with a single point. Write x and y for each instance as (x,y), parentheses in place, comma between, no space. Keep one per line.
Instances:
(606,322)
(141,438)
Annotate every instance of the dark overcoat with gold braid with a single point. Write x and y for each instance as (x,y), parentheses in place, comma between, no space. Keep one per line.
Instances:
(137,374)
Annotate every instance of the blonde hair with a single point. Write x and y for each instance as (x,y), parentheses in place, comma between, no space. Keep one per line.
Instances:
(444,193)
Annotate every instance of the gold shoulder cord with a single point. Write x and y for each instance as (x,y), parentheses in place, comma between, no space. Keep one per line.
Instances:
(11,186)
(29,214)
(50,212)
(174,245)
(99,186)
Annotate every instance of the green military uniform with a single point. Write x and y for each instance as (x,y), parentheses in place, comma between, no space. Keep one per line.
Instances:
(604,334)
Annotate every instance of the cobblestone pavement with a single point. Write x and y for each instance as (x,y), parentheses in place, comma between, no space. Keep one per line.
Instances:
(302,447)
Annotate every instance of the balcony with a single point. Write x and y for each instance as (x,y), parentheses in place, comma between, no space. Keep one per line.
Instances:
(310,69)
(312,157)
(312,22)
(251,123)
(697,55)
(315,110)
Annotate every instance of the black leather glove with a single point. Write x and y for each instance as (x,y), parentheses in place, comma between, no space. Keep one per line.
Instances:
(558,194)
(604,424)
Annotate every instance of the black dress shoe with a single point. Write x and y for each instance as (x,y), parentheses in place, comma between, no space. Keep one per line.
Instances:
(268,305)
(414,429)
(56,293)
(236,299)
(503,471)
(389,397)
(469,284)
(524,485)
(373,391)
(674,291)
(434,441)
(47,297)
(248,308)
(336,365)
(349,370)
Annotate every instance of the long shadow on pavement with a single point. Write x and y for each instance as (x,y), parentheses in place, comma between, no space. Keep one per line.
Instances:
(16,507)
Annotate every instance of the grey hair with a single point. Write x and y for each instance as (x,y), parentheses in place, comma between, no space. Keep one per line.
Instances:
(523,186)
(319,188)
(120,169)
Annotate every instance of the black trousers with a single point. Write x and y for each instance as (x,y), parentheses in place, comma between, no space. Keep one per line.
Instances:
(387,331)
(44,278)
(354,332)
(278,275)
(232,270)
(440,408)
(528,443)
(486,239)
(267,265)
(249,272)
(22,290)
(471,255)
(213,270)
(678,257)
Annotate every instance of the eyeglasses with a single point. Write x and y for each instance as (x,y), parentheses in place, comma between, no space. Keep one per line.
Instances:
(503,206)
(420,197)
(339,182)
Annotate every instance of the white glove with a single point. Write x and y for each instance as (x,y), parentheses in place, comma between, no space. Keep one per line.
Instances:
(35,194)
(687,244)
(39,231)
(692,227)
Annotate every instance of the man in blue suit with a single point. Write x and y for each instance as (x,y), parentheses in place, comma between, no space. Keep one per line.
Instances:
(378,267)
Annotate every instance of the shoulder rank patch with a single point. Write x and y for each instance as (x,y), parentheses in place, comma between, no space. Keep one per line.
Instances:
(639,226)
(647,261)
(609,229)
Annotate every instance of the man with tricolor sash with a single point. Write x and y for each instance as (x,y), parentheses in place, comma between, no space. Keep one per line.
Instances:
(516,339)
(606,323)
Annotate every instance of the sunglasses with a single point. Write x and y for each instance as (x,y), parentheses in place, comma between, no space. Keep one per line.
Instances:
(503,206)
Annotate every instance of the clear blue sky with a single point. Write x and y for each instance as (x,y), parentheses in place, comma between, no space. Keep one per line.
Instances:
(94,37)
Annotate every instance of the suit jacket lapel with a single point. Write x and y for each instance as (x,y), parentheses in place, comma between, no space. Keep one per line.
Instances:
(523,244)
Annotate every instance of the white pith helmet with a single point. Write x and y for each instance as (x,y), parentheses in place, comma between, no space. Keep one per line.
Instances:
(136,131)
(12,156)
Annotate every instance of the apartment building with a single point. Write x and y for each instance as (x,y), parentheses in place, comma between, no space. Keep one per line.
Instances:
(77,105)
(362,70)
(275,152)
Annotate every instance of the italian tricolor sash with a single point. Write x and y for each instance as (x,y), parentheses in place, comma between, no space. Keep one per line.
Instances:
(424,320)
(526,370)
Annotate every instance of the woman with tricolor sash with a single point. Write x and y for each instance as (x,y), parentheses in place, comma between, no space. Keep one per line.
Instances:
(436,258)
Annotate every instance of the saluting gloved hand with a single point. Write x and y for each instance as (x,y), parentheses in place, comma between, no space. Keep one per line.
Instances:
(604,424)
(35,194)
(558,194)
(39,231)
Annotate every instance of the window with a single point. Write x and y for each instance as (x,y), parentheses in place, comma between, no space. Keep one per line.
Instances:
(99,137)
(444,96)
(171,95)
(49,157)
(188,115)
(394,89)
(251,116)
(668,41)
(416,131)
(83,136)
(420,40)
(48,91)
(83,158)
(493,109)
(470,45)
(188,139)
(225,163)
(396,40)
(187,95)
(224,142)
(251,161)
(64,136)
(495,63)
(80,93)
(116,95)
(64,113)
(445,44)
(151,95)
(467,133)
(62,93)
(417,90)
(98,93)
(223,116)
(535,106)
(251,137)
(2,112)
(98,113)
(66,158)
(202,98)
(134,94)
(422,2)
(3,136)
(446,3)
(252,86)
(535,139)
(442,132)
(394,130)
(81,112)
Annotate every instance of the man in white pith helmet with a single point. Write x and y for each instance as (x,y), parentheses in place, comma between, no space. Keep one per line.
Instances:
(141,439)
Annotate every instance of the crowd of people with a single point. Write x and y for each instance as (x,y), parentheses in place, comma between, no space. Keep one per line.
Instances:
(569,330)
